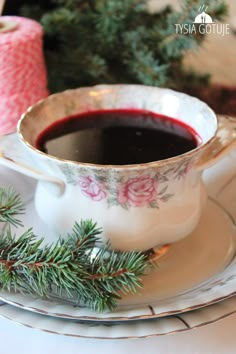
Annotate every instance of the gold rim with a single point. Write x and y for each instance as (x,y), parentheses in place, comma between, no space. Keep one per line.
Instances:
(170,160)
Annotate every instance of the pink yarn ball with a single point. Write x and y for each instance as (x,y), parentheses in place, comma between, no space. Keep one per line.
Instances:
(23,77)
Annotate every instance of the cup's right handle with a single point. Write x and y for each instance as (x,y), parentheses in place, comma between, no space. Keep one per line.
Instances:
(224,141)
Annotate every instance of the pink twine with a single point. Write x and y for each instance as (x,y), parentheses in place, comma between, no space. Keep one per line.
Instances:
(23,78)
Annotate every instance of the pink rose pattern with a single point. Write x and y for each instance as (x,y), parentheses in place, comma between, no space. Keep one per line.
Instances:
(143,191)
(137,192)
(92,189)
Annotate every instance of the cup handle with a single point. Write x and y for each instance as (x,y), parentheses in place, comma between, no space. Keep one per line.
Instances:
(224,141)
(13,156)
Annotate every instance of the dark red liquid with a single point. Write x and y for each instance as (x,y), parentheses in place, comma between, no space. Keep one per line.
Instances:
(117,137)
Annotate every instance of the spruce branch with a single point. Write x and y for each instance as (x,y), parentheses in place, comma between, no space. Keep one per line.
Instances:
(73,267)
(10,206)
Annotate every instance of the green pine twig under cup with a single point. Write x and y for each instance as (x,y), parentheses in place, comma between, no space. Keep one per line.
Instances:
(11,206)
(72,266)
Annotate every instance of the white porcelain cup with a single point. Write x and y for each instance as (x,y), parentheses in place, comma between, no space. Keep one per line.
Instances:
(137,206)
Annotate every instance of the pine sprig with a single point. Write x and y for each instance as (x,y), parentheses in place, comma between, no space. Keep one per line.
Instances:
(71,268)
(10,206)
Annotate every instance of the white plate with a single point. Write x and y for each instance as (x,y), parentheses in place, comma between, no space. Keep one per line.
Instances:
(124,330)
(195,272)
(175,286)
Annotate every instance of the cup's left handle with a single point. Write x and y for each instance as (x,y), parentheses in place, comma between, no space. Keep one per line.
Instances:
(224,141)
(13,157)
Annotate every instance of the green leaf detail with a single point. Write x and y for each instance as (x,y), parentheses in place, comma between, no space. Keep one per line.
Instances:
(163,179)
(163,190)
(112,202)
(153,204)
(69,174)
(125,206)
(166,197)
(101,179)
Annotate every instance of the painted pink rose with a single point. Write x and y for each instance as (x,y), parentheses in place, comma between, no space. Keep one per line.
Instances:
(137,192)
(91,188)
